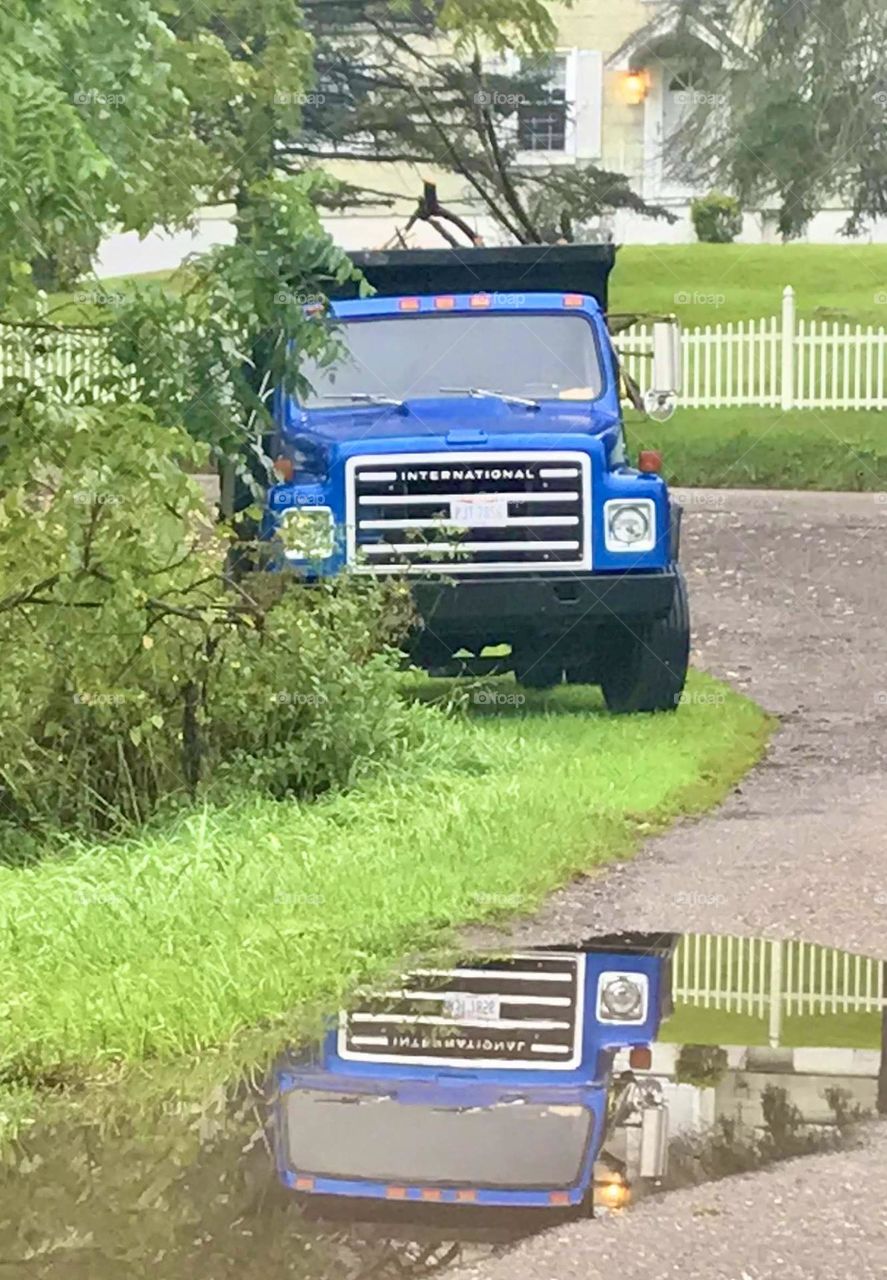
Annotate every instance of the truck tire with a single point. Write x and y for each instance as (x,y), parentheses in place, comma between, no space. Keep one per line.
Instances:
(534,668)
(644,668)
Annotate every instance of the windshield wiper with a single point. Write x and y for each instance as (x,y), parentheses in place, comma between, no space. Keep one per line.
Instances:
(484,393)
(363,397)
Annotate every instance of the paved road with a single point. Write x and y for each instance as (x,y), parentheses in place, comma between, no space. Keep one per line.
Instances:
(789,600)
(789,596)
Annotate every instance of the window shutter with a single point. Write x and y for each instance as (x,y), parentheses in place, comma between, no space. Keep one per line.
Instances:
(588,103)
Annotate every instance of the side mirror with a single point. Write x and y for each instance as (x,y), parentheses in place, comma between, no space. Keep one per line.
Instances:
(653,1155)
(662,395)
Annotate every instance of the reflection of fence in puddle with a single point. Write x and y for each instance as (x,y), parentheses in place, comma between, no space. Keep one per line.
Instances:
(775,980)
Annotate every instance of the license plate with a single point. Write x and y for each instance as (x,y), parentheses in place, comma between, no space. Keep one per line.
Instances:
(472,1008)
(478,510)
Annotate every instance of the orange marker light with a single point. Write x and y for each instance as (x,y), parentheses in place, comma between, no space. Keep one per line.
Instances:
(558,1197)
(430,1193)
(444,304)
(304,1184)
(408,304)
(395,1193)
(650,460)
(466,1196)
(480,300)
(640,1058)
(573,299)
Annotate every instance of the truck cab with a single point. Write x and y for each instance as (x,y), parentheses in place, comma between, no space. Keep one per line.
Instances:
(470,440)
(484,1084)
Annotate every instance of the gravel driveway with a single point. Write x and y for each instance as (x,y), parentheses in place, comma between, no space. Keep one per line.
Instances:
(789,597)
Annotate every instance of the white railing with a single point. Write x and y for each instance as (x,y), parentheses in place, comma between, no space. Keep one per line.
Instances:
(772,980)
(777,361)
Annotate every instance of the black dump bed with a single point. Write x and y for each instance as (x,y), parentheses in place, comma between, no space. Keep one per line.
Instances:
(525,268)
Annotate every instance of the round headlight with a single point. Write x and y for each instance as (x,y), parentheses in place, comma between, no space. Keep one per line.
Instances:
(629,525)
(307,533)
(623,999)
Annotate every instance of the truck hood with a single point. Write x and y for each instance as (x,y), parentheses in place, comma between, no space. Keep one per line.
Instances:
(458,417)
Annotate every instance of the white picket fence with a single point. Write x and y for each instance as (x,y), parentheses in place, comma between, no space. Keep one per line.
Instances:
(38,356)
(778,361)
(772,980)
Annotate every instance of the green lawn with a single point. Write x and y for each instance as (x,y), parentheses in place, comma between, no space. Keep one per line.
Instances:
(715,283)
(259,915)
(691,1025)
(768,449)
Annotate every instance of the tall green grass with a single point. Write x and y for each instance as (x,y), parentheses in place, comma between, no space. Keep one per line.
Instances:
(259,914)
(752,448)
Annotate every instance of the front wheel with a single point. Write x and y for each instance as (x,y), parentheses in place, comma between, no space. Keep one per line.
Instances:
(644,665)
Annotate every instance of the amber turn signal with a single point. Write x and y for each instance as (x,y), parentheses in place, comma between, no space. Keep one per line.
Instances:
(284,469)
(649,460)
(640,1058)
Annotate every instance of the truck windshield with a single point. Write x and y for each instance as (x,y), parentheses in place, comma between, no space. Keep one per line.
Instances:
(378,1139)
(397,358)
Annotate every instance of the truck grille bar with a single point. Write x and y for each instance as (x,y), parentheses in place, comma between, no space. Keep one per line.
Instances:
(469,513)
(525,1011)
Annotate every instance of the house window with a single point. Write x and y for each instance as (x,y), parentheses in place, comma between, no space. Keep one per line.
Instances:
(542,121)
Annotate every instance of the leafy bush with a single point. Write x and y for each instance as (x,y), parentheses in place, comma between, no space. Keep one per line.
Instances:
(702,1065)
(131,672)
(717,218)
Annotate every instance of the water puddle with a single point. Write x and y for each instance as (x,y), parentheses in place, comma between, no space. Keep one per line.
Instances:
(464,1106)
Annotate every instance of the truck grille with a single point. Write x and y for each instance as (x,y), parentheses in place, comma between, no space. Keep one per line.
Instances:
(525,1011)
(468,512)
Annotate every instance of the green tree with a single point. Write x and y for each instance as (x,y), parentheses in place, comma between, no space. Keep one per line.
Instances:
(804,118)
(94,132)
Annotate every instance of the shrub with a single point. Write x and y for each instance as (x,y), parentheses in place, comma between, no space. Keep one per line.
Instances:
(131,672)
(717,218)
(701,1065)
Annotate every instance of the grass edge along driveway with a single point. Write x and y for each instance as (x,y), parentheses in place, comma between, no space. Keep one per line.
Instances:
(238,924)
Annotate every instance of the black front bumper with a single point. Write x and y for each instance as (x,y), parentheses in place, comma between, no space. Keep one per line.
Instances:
(548,602)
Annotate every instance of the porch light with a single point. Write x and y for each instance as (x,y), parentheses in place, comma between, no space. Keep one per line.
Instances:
(635,87)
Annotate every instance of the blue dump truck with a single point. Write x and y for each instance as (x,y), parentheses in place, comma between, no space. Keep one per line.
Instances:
(487,1084)
(470,439)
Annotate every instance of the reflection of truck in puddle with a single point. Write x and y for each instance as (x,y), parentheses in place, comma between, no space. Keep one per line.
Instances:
(486,1084)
